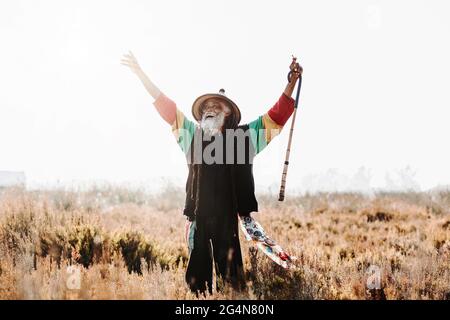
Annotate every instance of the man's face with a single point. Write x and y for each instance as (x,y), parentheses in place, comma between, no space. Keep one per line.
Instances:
(213,107)
(214,111)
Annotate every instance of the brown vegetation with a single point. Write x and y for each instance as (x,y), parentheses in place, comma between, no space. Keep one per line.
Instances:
(129,245)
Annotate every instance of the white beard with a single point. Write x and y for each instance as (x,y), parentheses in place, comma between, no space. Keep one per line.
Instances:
(212,126)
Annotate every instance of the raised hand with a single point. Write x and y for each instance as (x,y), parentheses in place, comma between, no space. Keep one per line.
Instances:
(296,71)
(130,61)
(294,74)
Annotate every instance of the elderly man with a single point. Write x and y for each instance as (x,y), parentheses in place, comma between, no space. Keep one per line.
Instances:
(220,185)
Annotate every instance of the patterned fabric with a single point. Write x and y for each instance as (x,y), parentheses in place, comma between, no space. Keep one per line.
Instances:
(189,234)
(254,232)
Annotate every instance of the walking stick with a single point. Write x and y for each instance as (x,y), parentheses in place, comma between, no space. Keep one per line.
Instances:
(288,150)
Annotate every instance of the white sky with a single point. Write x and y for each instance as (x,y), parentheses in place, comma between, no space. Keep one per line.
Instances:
(375,92)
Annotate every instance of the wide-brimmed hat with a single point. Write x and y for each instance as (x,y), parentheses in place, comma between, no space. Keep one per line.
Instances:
(196,110)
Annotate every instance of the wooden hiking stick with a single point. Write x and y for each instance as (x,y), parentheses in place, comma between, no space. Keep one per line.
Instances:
(288,150)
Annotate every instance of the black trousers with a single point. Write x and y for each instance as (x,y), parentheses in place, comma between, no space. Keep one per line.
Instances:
(216,241)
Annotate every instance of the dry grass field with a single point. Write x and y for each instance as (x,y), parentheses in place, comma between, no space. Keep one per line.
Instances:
(113,243)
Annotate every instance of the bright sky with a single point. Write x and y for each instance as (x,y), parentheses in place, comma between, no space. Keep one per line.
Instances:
(375,92)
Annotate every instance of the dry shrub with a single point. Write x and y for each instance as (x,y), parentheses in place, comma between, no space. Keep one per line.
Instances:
(128,244)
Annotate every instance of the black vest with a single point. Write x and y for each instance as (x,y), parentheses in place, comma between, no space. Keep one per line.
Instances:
(219,189)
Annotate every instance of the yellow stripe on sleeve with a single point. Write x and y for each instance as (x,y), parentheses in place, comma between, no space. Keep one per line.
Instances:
(272,129)
(177,126)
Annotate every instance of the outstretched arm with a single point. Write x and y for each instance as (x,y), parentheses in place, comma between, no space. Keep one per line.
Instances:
(165,107)
(131,62)
(182,128)
(269,125)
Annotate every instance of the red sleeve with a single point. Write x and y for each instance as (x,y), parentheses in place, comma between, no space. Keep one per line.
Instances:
(282,110)
(166,108)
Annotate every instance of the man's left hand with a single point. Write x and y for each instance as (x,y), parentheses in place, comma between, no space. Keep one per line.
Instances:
(296,71)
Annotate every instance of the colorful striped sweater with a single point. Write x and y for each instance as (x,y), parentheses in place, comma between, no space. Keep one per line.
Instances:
(264,128)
